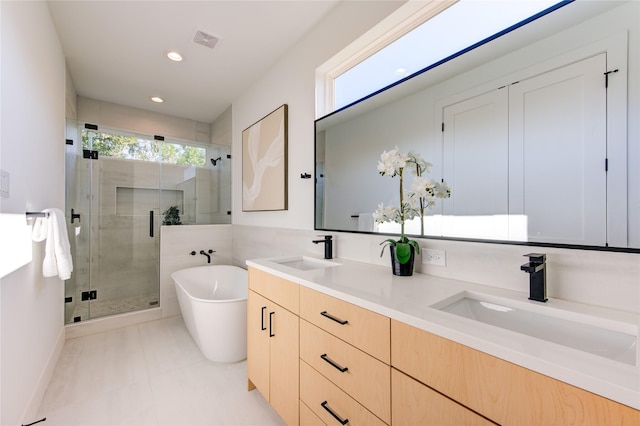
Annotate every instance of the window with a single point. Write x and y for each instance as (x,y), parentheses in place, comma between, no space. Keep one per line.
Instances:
(132,147)
(442,37)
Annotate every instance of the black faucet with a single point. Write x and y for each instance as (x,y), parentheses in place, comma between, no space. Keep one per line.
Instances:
(328,246)
(208,254)
(536,268)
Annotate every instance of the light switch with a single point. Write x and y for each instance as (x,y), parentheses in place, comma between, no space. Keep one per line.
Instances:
(4,184)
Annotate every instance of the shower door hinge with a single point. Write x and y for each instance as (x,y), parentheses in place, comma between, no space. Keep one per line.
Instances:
(68,299)
(92,155)
(89,295)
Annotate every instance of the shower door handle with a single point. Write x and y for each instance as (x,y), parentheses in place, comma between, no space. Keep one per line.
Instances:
(151,223)
(74,216)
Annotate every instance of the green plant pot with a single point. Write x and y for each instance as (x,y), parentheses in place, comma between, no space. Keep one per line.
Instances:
(401,269)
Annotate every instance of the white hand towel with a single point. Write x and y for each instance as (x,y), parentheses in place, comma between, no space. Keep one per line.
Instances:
(365,222)
(57,256)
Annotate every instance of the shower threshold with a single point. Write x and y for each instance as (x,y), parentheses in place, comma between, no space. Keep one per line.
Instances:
(103,308)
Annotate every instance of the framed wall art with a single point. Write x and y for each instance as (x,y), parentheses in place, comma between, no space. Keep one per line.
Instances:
(264,163)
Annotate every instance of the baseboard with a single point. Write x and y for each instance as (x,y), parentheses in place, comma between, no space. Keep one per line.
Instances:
(31,412)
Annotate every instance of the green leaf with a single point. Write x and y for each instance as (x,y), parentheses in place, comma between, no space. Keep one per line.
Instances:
(403,252)
(389,242)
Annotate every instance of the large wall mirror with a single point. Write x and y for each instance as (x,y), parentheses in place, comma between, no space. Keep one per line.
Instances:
(531,130)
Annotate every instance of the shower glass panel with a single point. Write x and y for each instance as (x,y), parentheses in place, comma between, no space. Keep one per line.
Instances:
(113,184)
(120,189)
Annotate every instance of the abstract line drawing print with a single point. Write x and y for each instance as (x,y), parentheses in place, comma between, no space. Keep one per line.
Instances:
(264,174)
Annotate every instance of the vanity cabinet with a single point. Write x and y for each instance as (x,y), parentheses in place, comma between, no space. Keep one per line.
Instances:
(320,360)
(344,361)
(273,342)
(496,389)
(417,404)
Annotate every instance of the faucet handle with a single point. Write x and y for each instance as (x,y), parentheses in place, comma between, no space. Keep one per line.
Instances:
(326,237)
(538,258)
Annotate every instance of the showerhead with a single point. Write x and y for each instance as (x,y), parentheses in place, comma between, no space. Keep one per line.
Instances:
(214,161)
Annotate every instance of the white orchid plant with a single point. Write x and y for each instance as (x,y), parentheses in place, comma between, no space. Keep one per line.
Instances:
(421,195)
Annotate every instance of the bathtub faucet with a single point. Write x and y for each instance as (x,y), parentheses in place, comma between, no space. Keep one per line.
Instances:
(208,254)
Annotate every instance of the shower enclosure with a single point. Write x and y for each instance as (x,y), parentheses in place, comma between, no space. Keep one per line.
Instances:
(120,187)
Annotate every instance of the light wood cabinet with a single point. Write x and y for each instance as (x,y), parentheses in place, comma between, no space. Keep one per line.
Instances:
(499,390)
(273,343)
(360,375)
(417,404)
(308,417)
(347,349)
(320,360)
(357,326)
(331,404)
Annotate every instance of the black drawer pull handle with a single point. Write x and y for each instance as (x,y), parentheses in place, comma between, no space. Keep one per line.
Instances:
(337,366)
(331,317)
(262,327)
(335,416)
(271,333)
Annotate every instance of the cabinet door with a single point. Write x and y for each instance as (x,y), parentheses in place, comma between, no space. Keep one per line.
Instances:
(283,328)
(417,404)
(258,343)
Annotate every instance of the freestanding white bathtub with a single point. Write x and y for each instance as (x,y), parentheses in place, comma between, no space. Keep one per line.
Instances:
(213,302)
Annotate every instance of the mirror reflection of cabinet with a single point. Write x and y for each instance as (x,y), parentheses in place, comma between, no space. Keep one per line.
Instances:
(527,138)
(557,133)
(475,145)
(527,160)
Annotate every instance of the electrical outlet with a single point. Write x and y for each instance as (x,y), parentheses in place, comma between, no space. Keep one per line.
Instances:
(434,257)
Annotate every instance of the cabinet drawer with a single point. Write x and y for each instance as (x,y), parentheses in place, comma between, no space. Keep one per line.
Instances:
(499,390)
(308,417)
(417,404)
(317,392)
(366,379)
(285,293)
(364,329)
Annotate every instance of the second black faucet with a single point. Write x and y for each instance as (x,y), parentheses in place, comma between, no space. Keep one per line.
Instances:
(328,246)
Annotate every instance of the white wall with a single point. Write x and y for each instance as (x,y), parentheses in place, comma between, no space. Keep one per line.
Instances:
(32,148)
(292,81)
(123,117)
(606,279)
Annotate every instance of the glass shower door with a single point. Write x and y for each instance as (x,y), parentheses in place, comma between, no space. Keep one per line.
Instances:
(116,192)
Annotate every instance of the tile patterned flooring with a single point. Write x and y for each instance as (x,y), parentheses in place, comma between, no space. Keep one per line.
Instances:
(149,374)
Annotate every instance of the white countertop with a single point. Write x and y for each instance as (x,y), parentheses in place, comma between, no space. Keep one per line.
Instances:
(409,300)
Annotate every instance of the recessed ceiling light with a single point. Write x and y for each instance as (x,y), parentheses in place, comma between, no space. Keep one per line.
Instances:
(174,56)
(400,71)
(157,99)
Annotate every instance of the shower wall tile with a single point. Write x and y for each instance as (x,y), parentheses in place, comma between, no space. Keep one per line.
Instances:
(176,244)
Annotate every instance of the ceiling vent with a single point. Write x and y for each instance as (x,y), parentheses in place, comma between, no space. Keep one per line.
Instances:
(206,40)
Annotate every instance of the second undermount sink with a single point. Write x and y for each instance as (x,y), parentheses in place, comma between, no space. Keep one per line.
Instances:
(617,342)
(305,263)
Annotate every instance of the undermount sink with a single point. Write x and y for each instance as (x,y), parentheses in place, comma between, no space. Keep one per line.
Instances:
(305,263)
(565,328)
